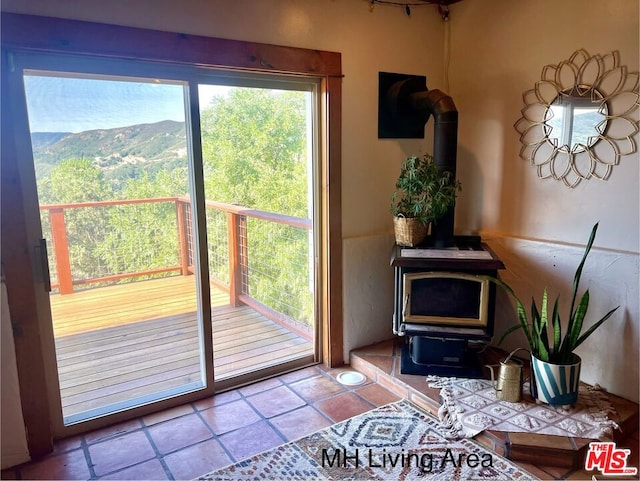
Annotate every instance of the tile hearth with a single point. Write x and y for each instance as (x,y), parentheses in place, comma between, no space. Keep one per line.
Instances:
(562,457)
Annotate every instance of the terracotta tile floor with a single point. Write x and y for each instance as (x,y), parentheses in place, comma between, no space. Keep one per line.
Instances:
(193,439)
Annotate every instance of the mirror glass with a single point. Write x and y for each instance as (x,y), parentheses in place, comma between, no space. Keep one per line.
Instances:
(575,121)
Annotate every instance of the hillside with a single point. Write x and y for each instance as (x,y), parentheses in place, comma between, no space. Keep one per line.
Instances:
(41,140)
(121,152)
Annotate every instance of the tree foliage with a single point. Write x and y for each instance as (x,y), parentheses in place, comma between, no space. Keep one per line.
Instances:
(73,181)
(254,149)
(254,144)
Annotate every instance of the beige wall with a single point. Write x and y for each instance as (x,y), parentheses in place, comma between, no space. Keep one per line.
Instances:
(498,49)
(539,227)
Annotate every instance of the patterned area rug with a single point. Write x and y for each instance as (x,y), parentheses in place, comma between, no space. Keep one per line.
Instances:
(470,406)
(396,442)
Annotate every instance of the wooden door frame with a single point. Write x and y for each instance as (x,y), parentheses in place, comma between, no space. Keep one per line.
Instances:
(26,33)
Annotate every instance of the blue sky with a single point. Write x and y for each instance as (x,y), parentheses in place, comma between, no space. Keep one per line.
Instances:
(64,104)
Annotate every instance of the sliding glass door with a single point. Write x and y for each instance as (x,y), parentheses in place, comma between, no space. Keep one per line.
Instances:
(113,172)
(177,214)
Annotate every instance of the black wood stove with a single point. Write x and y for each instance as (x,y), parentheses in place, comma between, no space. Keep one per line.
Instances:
(443,302)
(444,306)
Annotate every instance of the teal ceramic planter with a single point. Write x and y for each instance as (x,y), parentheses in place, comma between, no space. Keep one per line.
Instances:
(555,384)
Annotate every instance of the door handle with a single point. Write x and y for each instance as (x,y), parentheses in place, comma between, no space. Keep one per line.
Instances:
(44,264)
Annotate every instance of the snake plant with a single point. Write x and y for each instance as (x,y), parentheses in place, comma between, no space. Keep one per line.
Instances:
(544,332)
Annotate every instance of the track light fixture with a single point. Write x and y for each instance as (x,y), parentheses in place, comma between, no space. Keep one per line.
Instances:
(443,5)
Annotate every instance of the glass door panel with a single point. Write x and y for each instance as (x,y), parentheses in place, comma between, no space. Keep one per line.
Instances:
(113,177)
(258,157)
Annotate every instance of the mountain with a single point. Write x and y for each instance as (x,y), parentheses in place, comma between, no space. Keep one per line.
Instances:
(111,149)
(41,140)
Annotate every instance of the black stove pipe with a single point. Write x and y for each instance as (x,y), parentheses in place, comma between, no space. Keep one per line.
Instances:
(445,146)
(410,104)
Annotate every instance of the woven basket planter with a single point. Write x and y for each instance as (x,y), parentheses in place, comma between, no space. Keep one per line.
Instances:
(409,231)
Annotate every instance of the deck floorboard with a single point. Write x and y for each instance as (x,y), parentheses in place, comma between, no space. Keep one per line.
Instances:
(129,341)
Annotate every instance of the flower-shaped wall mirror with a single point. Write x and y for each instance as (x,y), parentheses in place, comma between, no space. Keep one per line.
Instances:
(580,118)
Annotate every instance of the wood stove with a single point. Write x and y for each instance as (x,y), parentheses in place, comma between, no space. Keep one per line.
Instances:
(444,306)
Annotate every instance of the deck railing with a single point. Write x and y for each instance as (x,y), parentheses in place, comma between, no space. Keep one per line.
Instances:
(111,241)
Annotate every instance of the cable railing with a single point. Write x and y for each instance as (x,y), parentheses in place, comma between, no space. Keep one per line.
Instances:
(261,259)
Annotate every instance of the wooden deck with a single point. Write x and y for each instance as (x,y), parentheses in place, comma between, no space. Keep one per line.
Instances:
(130,342)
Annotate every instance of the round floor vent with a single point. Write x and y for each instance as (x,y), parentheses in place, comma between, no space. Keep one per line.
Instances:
(351,378)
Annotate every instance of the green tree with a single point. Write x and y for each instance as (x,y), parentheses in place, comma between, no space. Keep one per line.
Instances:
(144,236)
(75,181)
(72,181)
(254,149)
(255,154)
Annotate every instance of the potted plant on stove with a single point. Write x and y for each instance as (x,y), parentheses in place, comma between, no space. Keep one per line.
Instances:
(423,193)
(555,368)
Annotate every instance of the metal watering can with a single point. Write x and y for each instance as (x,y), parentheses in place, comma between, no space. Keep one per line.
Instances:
(508,386)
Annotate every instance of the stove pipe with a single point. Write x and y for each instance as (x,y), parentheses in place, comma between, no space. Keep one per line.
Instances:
(445,147)
(410,104)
